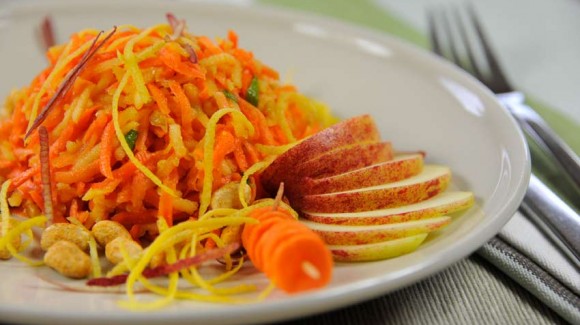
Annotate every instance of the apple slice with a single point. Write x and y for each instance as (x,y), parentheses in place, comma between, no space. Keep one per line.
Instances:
(358,129)
(345,159)
(331,163)
(444,203)
(433,180)
(399,168)
(376,251)
(358,235)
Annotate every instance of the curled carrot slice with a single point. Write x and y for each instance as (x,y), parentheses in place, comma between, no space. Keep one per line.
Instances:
(289,253)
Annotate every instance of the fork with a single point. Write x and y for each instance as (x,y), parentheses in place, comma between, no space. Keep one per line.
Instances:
(530,121)
(552,214)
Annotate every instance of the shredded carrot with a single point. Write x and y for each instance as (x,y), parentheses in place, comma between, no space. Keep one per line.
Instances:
(107,150)
(159,97)
(155,122)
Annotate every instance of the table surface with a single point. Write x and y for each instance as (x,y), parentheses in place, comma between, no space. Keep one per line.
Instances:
(470,292)
(536,40)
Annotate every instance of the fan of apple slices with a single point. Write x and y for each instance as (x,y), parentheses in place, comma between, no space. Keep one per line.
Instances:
(366,201)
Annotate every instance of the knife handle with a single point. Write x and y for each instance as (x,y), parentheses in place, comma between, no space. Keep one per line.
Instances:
(557,219)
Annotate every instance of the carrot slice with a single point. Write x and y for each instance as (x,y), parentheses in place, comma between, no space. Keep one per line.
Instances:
(262,215)
(279,232)
(288,252)
(300,263)
(250,238)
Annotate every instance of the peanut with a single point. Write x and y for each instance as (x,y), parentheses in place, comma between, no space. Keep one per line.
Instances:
(65,231)
(113,249)
(227,196)
(232,234)
(105,231)
(16,242)
(68,259)
(5,253)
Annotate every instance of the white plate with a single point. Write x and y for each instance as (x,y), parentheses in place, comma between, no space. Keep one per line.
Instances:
(418,101)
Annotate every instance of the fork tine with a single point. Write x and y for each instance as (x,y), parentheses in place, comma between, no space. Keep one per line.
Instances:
(469,49)
(452,45)
(433,38)
(445,29)
(500,80)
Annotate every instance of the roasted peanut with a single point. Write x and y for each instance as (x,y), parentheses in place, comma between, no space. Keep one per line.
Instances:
(5,253)
(232,234)
(106,230)
(68,259)
(65,231)
(113,249)
(227,196)
(16,241)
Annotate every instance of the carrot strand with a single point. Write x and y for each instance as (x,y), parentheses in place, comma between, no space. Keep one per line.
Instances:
(145,126)
(107,140)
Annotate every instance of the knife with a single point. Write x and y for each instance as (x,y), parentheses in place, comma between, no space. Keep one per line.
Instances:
(558,220)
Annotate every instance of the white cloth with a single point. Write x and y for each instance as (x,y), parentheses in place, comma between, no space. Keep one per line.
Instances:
(525,236)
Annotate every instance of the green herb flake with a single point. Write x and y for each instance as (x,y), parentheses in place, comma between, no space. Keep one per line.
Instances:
(131,138)
(230,96)
(252,94)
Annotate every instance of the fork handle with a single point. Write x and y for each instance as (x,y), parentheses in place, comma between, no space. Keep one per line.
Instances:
(535,125)
(565,155)
(554,216)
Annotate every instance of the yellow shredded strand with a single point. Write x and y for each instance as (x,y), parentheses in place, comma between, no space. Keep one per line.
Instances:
(4,207)
(283,120)
(96,268)
(172,291)
(18,230)
(243,128)
(169,238)
(143,55)
(193,276)
(267,291)
(136,305)
(23,226)
(118,269)
(207,284)
(217,212)
(275,150)
(259,166)
(216,294)
(142,96)
(176,140)
(125,145)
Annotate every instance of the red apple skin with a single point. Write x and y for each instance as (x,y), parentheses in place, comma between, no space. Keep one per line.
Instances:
(382,173)
(334,162)
(345,159)
(445,209)
(372,199)
(358,129)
